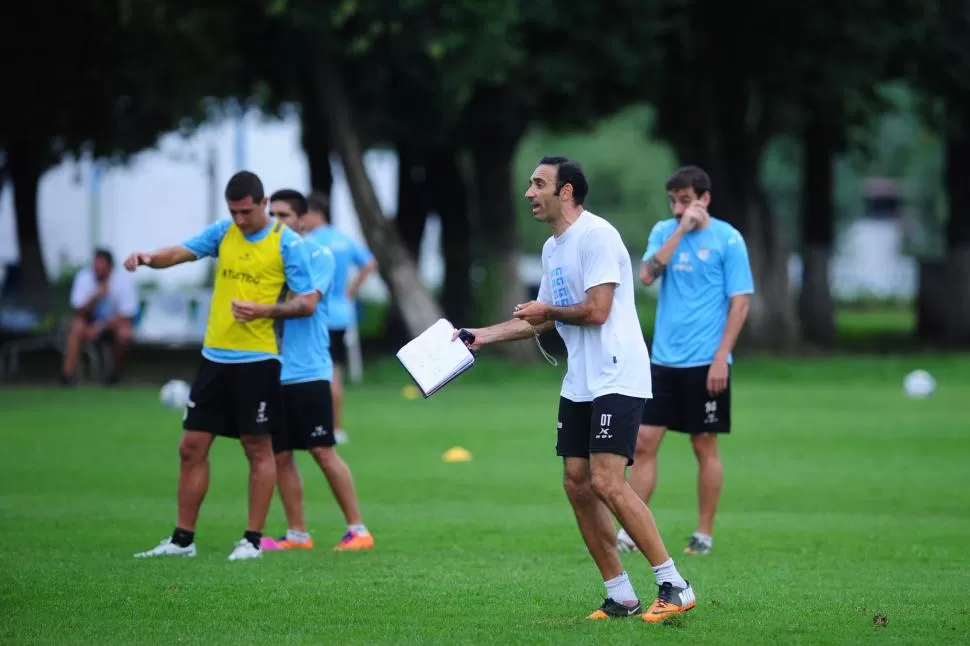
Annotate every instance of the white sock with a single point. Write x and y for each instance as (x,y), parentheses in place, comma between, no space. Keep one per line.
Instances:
(297,536)
(357,529)
(704,538)
(667,572)
(619,589)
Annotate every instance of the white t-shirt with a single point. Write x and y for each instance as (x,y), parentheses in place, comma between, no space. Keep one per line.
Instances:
(601,359)
(122,298)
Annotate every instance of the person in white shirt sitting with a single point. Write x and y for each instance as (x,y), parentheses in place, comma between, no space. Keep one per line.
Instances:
(105,303)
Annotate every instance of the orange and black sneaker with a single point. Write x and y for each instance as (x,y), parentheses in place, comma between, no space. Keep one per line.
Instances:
(355,541)
(670,601)
(614,610)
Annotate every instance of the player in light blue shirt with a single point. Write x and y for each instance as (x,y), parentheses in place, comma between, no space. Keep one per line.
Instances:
(705,287)
(341,303)
(307,371)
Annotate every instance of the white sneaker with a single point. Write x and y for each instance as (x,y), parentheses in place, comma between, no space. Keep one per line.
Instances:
(624,543)
(245,550)
(167,548)
(340,435)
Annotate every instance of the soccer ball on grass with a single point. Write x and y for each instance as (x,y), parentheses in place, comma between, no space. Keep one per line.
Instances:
(919,384)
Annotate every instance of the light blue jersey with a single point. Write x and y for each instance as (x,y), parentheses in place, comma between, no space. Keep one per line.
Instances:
(296,268)
(709,266)
(306,341)
(346,252)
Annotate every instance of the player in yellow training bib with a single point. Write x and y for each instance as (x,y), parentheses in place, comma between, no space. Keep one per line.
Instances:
(236,392)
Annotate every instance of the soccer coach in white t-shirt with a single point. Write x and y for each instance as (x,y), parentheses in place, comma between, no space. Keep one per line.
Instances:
(587,294)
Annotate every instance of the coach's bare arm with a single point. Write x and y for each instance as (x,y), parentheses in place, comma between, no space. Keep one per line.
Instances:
(511,330)
(160,259)
(592,311)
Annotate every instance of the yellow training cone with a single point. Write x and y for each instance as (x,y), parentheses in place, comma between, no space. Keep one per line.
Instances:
(410,392)
(456,454)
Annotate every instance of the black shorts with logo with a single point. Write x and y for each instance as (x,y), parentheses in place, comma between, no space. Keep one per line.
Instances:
(681,401)
(235,399)
(608,424)
(338,347)
(308,421)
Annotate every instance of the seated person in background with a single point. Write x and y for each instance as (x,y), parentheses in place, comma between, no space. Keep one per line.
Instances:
(105,302)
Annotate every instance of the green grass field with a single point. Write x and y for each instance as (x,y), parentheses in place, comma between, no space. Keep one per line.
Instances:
(843,499)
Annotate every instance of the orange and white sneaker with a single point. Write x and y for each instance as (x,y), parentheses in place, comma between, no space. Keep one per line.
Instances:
(670,601)
(353,541)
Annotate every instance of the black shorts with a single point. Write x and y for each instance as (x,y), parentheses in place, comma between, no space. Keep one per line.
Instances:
(681,401)
(338,347)
(608,424)
(235,399)
(308,422)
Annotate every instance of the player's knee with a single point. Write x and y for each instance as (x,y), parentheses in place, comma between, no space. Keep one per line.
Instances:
(326,457)
(648,442)
(259,450)
(191,451)
(577,484)
(705,446)
(123,334)
(606,484)
(284,460)
(78,327)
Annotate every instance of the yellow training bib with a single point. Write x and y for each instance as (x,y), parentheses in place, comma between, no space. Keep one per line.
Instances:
(246,271)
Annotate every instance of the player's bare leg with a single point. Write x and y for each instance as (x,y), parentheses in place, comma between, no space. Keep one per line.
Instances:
(608,474)
(596,527)
(290,485)
(643,474)
(193,476)
(262,478)
(192,487)
(341,482)
(710,479)
(337,394)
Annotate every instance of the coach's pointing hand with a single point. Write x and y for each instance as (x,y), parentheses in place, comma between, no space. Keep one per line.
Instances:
(137,258)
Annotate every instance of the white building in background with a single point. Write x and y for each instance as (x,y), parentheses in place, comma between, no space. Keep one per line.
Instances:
(163,196)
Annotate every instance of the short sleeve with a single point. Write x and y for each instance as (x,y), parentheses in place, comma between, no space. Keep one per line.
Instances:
(658,235)
(359,254)
(545,296)
(296,262)
(323,263)
(599,258)
(207,243)
(82,289)
(737,268)
(126,296)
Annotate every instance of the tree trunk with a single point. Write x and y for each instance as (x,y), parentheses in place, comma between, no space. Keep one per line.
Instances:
(932,303)
(412,215)
(449,198)
(816,308)
(25,166)
(397,267)
(957,331)
(502,289)
(315,137)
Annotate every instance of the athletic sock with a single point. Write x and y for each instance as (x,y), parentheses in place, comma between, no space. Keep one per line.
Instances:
(297,536)
(667,572)
(357,529)
(620,590)
(705,539)
(253,537)
(182,537)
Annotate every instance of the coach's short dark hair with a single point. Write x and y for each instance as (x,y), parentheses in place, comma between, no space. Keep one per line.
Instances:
(292,197)
(319,202)
(568,172)
(244,184)
(690,177)
(101,252)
